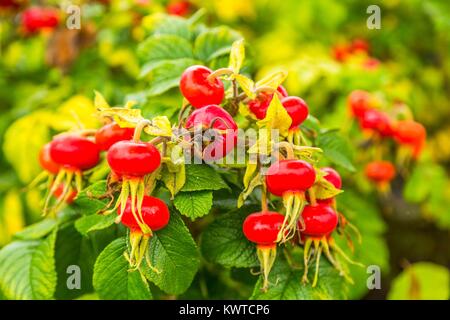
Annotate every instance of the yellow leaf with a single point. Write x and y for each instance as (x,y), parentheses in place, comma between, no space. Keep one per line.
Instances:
(276,118)
(263,144)
(13,219)
(124,117)
(237,55)
(272,80)
(160,127)
(256,181)
(100,101)
(247,85)
(76,113)
(323,189)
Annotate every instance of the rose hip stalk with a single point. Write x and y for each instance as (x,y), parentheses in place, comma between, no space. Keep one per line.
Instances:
(220,125)
(319,222)
(155,216)
(67,157)
(289,179)
(262,228)
(132,161)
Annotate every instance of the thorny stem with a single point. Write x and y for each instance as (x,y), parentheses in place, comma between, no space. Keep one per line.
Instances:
(264,205)
(312,197)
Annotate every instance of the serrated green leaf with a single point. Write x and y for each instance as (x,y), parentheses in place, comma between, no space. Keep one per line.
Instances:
(276,118)
(173,252)
(164,47)
(27,269)
(37,230)
(215,42)
(162,24)
(112,279)
(94,222)
(194,204)
(336,149)
(223,241)
(71,249)
(285,284)
(88,201)
(202,177)
(167,75)
(237,55)
(421,281)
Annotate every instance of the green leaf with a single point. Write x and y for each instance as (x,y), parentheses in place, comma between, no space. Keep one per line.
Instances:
(162,24)
(202,177)
(71,249)
(27,269)
(194,204)
(285,284)
(37,230)
(214,43)
(336,149)
(421,281)
(155,51)
(88,201)
(167,75)
(223,241)
(112,279)
(173,252)
(237,56)
(94,222)
(276,118)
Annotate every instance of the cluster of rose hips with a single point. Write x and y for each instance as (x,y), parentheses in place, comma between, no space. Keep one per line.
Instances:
(358,47)
(68,156)
(380,126)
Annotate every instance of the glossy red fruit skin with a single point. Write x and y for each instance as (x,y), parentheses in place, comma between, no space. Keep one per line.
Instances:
(38,18)
(289,175)
(259,105)
(46,161)
(378,122)
(297,110)
(380,171)
(58,192)
(111,133)
(154,212)
(359,102)
(133,159)
(319,220)
(178,8)
(262,227)
(196,88)
(205,117)
(74,152)
(333,177)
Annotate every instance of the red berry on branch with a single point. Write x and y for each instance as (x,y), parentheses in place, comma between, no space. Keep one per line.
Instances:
(46,161)
(262,227)
(74,152)
(333,177)
(38,18)
(297,110)
(290,176)
(198,90)
(215,118)
(377,121)
(133,159)
(155,214)
(319,220)
(110,134)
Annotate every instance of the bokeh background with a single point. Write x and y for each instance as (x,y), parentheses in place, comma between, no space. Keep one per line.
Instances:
(47,83)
